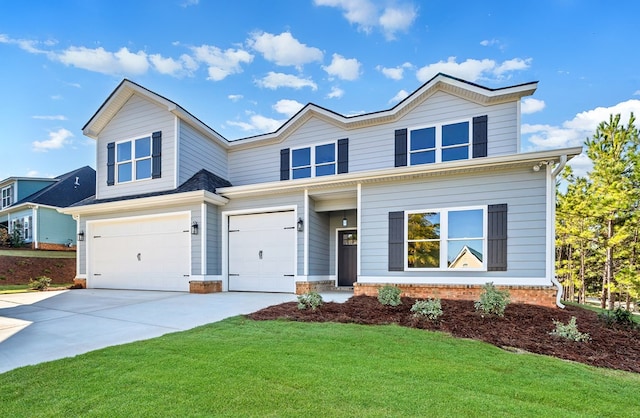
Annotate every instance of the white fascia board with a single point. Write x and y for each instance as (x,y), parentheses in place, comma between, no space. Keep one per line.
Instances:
(197,197)
(399,172)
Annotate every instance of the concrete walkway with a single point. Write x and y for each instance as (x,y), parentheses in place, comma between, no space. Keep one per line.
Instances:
(44,326)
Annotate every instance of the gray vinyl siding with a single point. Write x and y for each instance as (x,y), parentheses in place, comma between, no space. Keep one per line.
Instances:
(214,241)
(198,152)
(372,148)
(137,118)
(319,238)
(261,203)
(54,227)
(522,190)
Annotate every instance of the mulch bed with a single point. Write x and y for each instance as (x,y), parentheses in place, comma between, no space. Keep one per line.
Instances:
(523,327)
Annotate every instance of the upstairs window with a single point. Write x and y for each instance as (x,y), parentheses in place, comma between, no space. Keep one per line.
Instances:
(7,196)
(440,143)
(133,160)
(316,161)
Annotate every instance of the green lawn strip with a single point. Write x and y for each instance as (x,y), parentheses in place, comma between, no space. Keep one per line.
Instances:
(635,316)
(239,367)
(22,288)
(37,253)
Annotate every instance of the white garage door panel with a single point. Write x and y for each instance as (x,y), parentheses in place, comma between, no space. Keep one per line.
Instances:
(262,252)
(145,253)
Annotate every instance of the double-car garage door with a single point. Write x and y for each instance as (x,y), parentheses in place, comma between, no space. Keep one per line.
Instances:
(146,253)
(262,252)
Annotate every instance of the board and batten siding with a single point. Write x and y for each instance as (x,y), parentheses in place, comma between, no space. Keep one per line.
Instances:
(214,241)
(319,239)
(372,148)
(137,118)
(522,190)
(198,152)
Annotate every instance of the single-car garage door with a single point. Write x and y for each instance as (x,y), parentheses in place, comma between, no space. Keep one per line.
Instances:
(142,253)
(262,252)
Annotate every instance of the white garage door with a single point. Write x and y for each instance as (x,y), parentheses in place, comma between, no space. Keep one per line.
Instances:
(262,252)
(146,253)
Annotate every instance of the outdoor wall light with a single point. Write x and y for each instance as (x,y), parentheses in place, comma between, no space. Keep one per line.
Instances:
(345,222)
(300,225)
(194,228)
(81,236)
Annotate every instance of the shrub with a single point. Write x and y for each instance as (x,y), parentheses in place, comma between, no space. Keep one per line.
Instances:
(492,301)
(5,239)
(620,317)
(569,331)
(389,295)
(431,308)
(311,300)
(40,283)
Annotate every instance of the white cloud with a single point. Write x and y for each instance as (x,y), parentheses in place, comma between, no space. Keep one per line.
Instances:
(235,97)
(473,70)
(50,117)
(531,105)
(394,73)
(257,124)
(400,96)
(636,93)
(176,68)
(32,173)
(343,68)
(336,93)
(222,63)
(284,49)
(57,140)
(288,107)
(275,80)
(367,15)
(493,42)
(99,60)
(187,3)
(28,45)
(572,133)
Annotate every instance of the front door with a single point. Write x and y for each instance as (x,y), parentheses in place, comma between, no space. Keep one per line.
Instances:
(347,257)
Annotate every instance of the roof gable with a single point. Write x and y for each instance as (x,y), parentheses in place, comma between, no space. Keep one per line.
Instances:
(68,189)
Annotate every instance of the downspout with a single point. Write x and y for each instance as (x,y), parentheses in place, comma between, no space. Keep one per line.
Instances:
(554,280)
(34,227)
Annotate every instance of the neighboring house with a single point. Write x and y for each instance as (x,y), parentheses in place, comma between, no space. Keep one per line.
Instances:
(31,206)
(326,200)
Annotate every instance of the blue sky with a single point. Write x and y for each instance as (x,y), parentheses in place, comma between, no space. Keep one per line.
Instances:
(244,67)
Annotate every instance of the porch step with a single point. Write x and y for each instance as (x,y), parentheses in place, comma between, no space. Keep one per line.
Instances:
(342,289)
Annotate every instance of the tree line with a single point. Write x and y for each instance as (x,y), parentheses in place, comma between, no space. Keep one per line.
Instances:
(597,219)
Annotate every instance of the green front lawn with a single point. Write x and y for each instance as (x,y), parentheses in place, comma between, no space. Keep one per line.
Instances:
(37,253)
(21,288)
(240,367)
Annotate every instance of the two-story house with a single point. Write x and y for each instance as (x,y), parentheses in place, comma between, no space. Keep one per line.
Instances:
(30,206)
(433,195)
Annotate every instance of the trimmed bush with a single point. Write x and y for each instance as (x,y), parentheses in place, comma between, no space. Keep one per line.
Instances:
(311,300)
(389,295)
(430,308)
(492,301)
(619,317)
(569,331)
(40,283)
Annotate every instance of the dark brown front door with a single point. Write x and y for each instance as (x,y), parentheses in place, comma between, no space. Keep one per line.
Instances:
(347,257)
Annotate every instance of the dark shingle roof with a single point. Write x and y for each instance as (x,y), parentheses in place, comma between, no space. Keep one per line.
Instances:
(202,180)
(70,188)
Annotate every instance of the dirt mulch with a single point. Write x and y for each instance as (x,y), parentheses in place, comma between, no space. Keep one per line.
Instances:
(523,327)
(19,270)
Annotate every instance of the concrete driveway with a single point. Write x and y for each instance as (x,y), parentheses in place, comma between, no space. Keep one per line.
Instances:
(44,326)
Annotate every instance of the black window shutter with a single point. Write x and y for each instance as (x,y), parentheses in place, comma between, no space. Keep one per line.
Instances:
(284,164)
(396,241)
(401,147)
(111,163)
(343,156)
(156,155)
(497,237)
(480,136)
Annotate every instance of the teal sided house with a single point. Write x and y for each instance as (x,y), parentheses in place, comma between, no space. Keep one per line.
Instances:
(30,206)
(433,195)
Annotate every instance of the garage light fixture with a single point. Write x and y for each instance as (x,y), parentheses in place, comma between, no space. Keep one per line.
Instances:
(194,228)
(81,236)
(300,225)
(344,219)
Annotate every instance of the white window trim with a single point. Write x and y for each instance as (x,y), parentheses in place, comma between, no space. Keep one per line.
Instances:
(133,159)
(9,196)
(438,145)
(444,233)
(312,159)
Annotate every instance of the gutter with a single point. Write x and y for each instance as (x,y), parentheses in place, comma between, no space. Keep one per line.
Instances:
(554,280)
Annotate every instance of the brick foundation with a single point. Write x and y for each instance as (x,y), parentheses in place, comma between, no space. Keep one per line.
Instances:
(207,286)
(534,295)
(80,282)
(306,287)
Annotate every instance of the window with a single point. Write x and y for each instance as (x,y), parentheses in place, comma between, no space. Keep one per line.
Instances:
(316,161)
(7,196)
(446,239)
(26,225)
(440,143)
(133,160)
